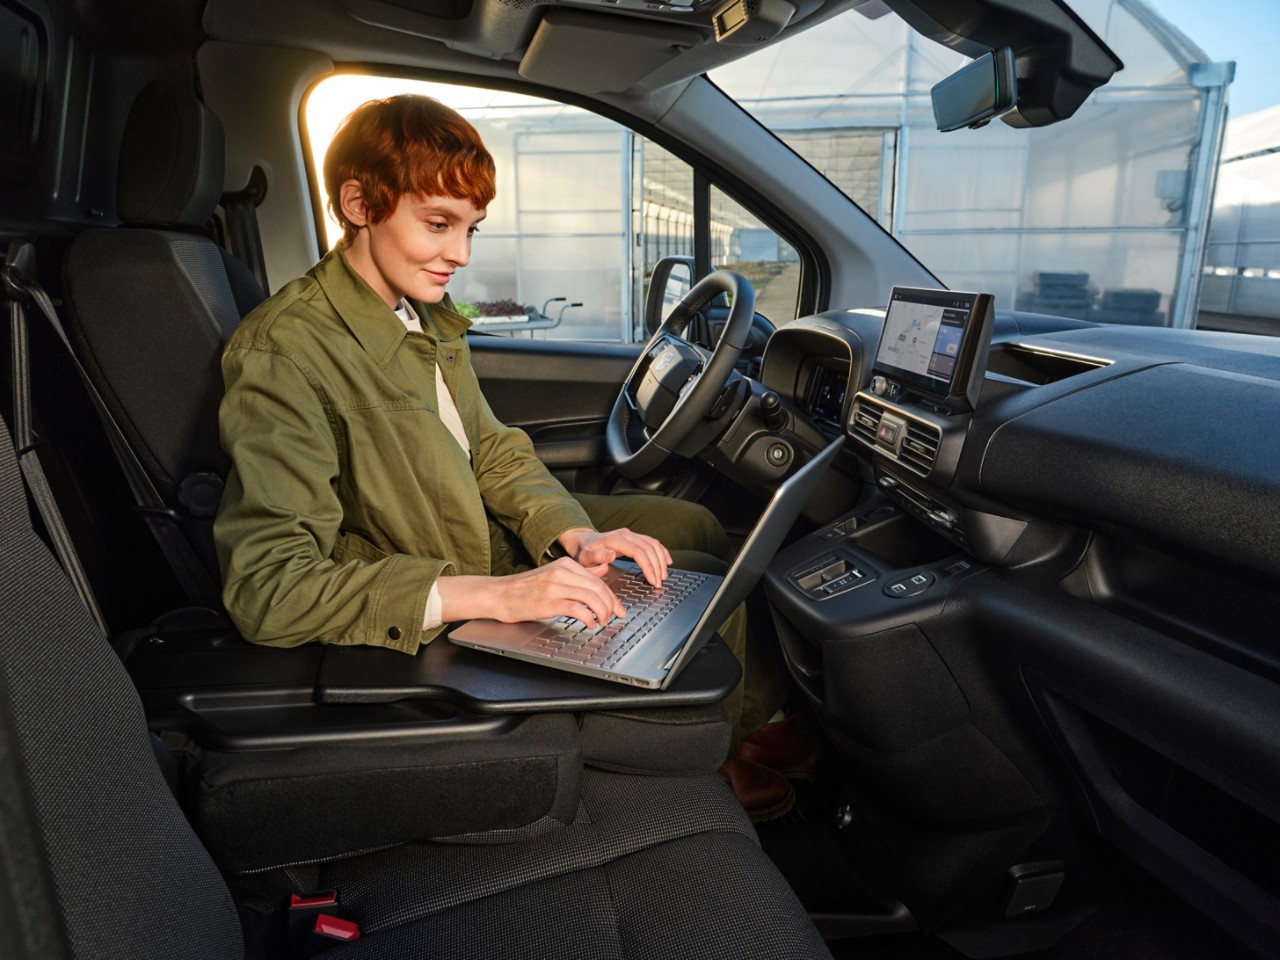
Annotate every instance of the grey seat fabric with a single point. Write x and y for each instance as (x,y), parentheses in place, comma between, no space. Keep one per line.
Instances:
(151,337)
(619,815)
(651,866)
(107,833)
(703,896)
(152,302)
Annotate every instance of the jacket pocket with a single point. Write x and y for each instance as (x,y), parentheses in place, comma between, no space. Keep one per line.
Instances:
(352,546)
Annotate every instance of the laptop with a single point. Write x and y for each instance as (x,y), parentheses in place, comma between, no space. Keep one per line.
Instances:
(665,625)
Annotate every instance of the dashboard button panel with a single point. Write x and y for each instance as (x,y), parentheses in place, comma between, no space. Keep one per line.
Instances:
(829,576)
(909,584)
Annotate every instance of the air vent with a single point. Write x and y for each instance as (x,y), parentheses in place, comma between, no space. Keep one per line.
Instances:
(865,421)
(920,446)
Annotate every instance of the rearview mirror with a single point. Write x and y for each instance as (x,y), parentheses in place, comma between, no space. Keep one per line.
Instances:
(977,93)
(671,279)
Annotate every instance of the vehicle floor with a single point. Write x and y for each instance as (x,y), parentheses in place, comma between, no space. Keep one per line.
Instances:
(1137,918)
(1143,922)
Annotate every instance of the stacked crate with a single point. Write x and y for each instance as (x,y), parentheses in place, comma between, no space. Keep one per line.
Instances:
(1061,294)
(1134,306)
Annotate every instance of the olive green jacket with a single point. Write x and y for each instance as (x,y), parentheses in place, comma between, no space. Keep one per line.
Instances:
(348,496)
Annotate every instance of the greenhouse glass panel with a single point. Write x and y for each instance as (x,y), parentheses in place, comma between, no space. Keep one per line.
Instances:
(1117,194)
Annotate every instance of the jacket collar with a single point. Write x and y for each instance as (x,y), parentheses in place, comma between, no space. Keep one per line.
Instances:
(374,325)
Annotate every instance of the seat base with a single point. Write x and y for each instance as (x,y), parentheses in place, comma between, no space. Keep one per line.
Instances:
(651,867)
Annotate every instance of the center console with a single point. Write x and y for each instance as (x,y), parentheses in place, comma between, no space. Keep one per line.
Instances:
(928,370)
(849,597)
(872,570)
(891,621)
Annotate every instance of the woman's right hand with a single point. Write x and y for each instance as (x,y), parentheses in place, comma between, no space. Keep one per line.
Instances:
(561,588)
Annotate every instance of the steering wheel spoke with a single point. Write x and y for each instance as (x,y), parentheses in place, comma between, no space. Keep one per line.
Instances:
(674,383)
(690,383)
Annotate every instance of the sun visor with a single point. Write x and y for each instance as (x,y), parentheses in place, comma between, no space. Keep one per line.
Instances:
(587,53)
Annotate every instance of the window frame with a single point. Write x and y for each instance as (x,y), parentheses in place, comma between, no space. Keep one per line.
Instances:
(812,294)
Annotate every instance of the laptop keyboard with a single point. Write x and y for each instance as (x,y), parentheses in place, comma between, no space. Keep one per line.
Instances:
(570,640)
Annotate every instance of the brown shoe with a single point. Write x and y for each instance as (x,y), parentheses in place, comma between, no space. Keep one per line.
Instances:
(763,793)
(786,746)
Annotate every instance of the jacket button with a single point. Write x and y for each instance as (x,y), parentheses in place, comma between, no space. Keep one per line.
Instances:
(394,633)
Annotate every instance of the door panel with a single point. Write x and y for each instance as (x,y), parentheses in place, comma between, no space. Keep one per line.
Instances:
(560,393)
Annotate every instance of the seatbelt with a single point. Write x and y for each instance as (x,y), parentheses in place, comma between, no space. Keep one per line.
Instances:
(240,210)
(25,442)
(162,519)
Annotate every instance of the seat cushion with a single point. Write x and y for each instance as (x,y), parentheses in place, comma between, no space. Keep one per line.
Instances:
(651,867)
(675,741)
(710,896)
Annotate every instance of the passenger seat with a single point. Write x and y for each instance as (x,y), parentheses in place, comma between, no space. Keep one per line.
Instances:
(105,863)
(152,302)
(99,861)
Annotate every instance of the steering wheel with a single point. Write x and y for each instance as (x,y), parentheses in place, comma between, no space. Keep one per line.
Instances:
(674,383)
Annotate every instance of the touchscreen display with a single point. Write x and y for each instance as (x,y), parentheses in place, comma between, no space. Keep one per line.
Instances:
(924,332)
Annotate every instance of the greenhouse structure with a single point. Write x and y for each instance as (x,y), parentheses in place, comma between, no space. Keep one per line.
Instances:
(1104,217)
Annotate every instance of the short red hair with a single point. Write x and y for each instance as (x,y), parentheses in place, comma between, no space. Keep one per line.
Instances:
(408,144)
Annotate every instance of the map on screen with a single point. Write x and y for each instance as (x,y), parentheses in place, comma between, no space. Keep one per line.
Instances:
(923,339)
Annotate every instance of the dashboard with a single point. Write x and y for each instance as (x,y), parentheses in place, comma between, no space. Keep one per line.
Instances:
(1057,588)
(1069,422)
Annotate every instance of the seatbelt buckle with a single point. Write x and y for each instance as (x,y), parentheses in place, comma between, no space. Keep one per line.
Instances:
(318,922)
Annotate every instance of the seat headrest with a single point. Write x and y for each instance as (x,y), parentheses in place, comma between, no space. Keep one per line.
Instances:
(171,159)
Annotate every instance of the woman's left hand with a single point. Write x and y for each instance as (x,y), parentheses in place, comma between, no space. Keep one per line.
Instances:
(591,548)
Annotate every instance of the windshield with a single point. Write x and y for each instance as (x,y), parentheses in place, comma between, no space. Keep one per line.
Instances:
(1108,216)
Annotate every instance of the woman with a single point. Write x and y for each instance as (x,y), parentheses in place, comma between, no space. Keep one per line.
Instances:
(374,496)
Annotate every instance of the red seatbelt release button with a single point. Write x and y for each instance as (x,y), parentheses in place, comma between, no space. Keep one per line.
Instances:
(318,899)
(336,928)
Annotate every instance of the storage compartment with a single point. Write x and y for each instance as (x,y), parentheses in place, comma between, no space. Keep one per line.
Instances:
(902,542)
(824,572)
(1038,366)
(1232,831)
(828,577)
(325,800)
(1176,760)
(1217,608)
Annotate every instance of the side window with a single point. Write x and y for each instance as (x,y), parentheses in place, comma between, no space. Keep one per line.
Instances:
(743,244)
(585,208)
